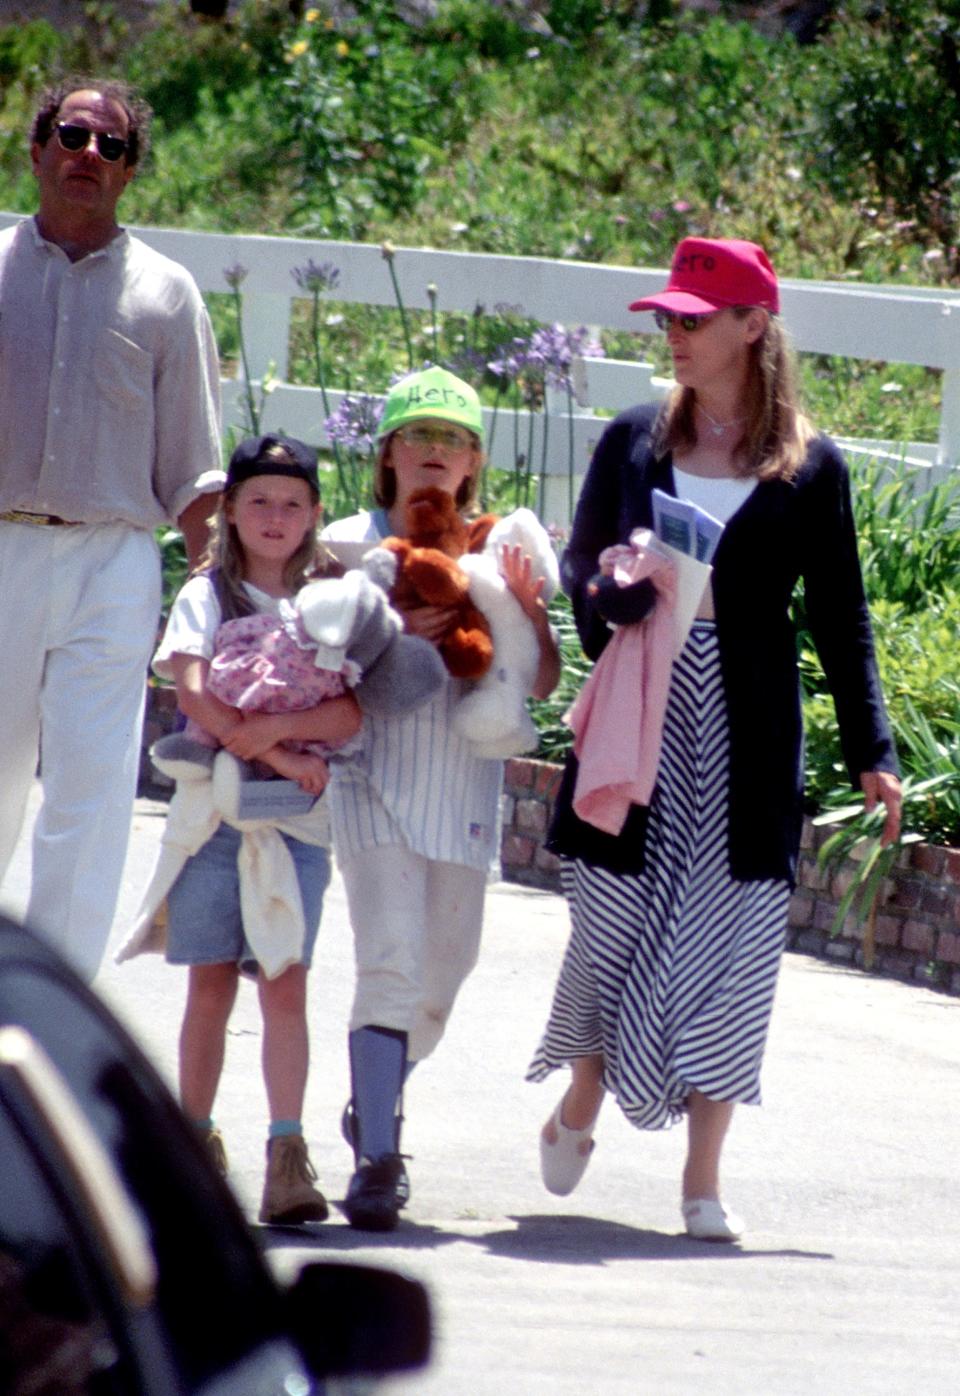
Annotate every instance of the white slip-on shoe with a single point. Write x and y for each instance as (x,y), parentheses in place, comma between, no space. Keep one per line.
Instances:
(563,1163)
(706,1219)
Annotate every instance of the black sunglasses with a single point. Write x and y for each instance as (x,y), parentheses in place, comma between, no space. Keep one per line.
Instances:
(74,137)
(688,323)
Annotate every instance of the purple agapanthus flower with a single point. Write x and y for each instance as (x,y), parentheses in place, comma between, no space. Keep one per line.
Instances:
(353,423)
(234,275)
(514,357)
(467,363)
(547,354)
(555,349)
(316,276)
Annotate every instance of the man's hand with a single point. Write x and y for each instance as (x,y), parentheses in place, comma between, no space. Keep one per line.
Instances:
(194,524)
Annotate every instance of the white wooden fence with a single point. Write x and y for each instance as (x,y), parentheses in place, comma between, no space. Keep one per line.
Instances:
(896,324)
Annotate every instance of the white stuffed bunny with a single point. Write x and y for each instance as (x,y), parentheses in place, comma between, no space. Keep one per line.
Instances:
(493,715)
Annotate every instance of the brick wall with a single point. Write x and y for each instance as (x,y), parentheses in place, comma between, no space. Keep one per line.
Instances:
(917,932)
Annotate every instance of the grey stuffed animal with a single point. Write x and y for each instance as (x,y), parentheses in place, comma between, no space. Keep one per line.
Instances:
(345,617)
(351,615)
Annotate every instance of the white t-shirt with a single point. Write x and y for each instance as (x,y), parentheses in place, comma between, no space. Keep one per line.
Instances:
(721,496)
(195,619)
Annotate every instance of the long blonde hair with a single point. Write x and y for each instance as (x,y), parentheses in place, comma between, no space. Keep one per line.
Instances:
(777,434)
(223,557)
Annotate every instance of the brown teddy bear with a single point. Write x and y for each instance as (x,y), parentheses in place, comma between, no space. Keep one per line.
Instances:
(422,570)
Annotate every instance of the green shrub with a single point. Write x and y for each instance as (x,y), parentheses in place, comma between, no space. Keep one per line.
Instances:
(369,106)
(917,657)
(29,53)
(889,114)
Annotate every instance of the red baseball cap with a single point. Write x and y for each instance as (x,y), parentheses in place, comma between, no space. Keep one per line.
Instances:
(710,273)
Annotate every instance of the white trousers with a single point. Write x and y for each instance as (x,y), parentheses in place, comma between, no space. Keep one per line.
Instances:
(416,927)
(78,620)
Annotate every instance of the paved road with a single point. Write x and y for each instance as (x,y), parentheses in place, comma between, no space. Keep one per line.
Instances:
(846,1285)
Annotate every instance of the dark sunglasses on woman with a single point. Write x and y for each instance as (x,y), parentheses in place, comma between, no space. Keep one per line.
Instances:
(73,137)
(687,323)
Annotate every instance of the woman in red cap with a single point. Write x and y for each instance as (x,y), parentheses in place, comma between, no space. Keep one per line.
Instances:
(678,921)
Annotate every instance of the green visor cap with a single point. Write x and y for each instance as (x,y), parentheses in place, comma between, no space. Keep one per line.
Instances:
(433,392)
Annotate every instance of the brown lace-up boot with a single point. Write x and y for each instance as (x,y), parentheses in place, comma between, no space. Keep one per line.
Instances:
(289,1195)
(213,1143)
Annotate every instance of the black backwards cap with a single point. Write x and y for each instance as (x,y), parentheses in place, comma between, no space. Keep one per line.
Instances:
(273,455)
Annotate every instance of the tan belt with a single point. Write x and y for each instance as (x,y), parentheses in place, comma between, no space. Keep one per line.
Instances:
(44,520)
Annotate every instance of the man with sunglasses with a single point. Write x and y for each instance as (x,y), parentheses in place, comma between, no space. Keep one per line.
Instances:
(109,428)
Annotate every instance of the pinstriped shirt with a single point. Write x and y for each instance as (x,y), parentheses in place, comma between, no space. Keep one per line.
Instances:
(414,783)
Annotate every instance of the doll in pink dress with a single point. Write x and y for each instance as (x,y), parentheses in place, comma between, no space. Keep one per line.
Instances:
(268,664)
(336,634)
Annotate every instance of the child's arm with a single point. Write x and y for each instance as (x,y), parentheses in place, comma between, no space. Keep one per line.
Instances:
(335,720)
(190,676)
(224,723)
(516,569)
(309,770)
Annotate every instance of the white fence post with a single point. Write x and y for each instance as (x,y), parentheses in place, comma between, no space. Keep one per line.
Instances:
(266,333)
(948,446)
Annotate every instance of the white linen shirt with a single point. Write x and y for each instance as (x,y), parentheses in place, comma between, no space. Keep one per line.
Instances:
(109,383)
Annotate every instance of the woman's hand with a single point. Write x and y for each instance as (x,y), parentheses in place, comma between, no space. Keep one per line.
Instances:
(885,787)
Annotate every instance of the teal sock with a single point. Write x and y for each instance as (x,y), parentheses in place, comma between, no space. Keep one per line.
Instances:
(203,1125)
(280,1129)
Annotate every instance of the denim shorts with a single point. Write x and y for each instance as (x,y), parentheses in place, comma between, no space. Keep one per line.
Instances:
(204,922)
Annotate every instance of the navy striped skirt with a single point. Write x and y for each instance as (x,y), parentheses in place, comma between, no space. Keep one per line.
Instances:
(670,973)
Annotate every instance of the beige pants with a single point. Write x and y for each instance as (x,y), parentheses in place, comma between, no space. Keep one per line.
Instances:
(416,927)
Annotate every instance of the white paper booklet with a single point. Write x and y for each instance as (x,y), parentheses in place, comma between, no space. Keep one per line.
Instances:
(685,526)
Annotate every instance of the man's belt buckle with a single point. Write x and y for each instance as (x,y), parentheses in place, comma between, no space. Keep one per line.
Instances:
(41,520)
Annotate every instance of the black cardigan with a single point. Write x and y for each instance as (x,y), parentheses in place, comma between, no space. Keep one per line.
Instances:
(782,532)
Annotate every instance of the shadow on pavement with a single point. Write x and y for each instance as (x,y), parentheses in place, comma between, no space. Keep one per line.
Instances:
(409,1235)
(577,1240)
(554,1240)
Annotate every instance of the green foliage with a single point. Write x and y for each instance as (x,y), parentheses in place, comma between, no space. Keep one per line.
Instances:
(932,746)
(28,53)
(909,536)
(910,550)
(491,32)
(889,117)
(555,736)
(899,402)
(858,838)
(185,68)
(917,658)
(173,559)
(909,540)
(369,107)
